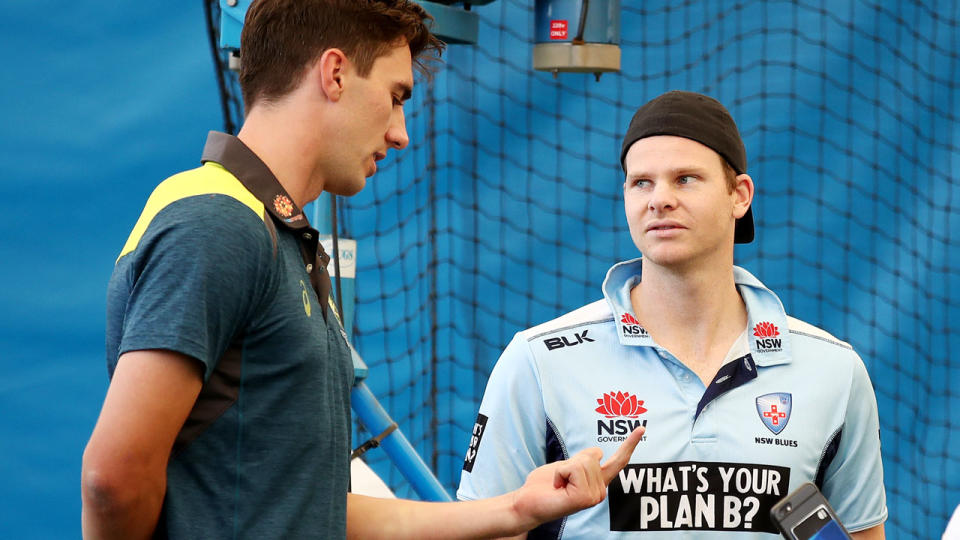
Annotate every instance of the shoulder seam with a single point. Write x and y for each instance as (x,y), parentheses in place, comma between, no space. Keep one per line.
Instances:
(821,338)
(569,326)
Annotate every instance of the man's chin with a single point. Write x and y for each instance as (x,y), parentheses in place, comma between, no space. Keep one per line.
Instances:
(355,188)
(348,189)
(666,256)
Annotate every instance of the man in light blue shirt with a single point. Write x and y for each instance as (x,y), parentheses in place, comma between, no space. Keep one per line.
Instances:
(741,403)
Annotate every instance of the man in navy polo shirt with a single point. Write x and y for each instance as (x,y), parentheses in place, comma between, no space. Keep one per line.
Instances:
(741,403)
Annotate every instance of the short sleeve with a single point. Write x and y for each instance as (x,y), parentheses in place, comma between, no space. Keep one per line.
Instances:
(509,437)
(854,480)
(195,277)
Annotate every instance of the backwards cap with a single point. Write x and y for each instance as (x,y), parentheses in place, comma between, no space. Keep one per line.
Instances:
(700,118)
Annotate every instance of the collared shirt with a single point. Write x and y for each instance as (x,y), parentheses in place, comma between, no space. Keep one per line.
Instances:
(223,267)
(791,404)
(257,178)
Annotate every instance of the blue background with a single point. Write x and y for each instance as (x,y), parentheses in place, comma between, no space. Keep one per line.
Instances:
(504,212)
(100,102)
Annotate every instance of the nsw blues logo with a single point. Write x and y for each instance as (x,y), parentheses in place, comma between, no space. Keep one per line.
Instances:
(774,410)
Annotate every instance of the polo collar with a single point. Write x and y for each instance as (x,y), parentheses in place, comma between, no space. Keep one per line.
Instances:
(259,180)
(767,328)
(254,174)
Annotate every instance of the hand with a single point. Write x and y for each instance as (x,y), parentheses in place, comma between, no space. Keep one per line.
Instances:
(564,487)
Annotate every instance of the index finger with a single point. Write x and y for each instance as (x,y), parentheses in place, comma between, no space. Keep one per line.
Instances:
(621,457)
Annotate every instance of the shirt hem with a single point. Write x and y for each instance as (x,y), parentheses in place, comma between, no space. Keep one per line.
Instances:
(857,527)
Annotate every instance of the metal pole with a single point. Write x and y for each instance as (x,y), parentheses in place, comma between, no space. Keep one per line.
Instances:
(396,445)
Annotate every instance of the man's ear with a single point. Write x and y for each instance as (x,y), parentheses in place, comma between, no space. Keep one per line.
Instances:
(328,72)
(743,195)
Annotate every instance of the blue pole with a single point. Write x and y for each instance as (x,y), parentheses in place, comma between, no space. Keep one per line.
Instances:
(396,445)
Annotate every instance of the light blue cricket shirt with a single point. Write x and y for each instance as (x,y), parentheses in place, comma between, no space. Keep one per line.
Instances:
(791,404)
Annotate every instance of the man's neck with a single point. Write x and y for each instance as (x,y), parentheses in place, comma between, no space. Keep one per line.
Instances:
(275,139)
(696,314)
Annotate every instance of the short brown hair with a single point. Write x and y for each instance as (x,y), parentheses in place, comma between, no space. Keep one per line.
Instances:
(280,38)
(729,174)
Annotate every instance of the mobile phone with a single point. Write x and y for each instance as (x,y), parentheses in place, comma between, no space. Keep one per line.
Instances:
(805,514)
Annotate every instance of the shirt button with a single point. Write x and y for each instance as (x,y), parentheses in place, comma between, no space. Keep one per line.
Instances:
(686,377)
(307,236)
(309,268)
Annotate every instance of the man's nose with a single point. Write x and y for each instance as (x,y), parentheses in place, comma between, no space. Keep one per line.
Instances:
(397,132)
(663,197)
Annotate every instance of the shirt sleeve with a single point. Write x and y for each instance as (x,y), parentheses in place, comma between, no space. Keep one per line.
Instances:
(854,479)
(509,438)
(195,277)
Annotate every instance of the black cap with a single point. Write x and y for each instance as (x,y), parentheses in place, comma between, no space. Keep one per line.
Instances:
(700,118)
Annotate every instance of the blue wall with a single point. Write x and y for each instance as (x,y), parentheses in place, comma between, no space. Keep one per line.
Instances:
(100,102)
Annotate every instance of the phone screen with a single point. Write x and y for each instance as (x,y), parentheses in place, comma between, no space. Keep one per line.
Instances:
(819,525)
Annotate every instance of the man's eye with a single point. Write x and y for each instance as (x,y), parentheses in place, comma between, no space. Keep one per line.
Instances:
(686,179)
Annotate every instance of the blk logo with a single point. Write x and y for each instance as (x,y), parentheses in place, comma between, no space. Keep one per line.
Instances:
(562,341)
(767,337)
(630,326)
(774,410)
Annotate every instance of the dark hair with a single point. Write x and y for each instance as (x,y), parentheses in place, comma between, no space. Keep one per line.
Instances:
(281,38)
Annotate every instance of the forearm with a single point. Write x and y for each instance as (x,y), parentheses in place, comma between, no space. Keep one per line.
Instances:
(124,477)
(550,491)
(369,517)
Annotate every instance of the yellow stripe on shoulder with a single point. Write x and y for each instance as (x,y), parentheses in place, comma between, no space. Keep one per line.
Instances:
(210,178)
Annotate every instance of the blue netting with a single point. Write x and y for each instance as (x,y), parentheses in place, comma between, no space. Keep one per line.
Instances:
(506,209)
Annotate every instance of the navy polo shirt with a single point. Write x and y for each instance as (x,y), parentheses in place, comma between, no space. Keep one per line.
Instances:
(222,266)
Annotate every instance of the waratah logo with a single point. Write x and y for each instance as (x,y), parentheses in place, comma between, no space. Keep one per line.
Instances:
(765,329)
(629,319)
(620,404)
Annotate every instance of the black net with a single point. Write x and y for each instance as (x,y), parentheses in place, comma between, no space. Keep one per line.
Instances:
(506,209)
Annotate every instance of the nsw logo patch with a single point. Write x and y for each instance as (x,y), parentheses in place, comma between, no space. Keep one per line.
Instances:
(614,404)
(621,411)
(630,327)
(767,337)
(774,410)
